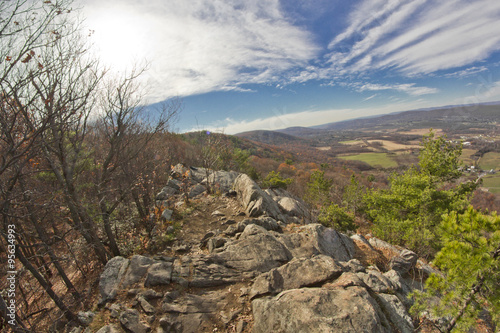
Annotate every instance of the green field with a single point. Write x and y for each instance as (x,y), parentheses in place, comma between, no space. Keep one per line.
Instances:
(466,156)
(383,160)
(490,161)
(492,183)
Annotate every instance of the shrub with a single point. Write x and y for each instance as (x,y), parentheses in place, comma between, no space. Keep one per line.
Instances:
(337,217)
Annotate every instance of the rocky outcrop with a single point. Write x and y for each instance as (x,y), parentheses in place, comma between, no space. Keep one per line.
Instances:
(254,200)
(319,310)
(260,273)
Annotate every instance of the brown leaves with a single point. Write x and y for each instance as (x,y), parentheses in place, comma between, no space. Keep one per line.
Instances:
(29,56)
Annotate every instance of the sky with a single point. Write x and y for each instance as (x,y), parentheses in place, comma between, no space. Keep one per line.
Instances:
(242,65)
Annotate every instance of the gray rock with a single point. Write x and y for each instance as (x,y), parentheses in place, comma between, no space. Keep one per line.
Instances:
(215,243)
(316,310)
(314,239)
(299,272)
(159,274)
(166,193)
(204,271)
(354,266)
(376,281)
(256,251)
(111,278)
(254,200)
(167,214)
(130,321)
(146,306)
(290,206)
(196,190)
(86,317)
(396,313)
(150,294)
(137,269)
(109,329)
(224,180)
(405,261)
(192,313)
(380,244)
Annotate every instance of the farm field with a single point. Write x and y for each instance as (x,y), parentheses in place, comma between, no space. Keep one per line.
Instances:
(492,183)
(383,160)
(490,161)
(466,156)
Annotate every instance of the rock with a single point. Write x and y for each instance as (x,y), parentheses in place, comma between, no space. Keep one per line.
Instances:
(167,214)
(376,281)
(196,190)
(115,310)
(240,326)
(354,266)
(363,240)
(380,244)
(316,310)
(299,272)
(180,170)
(218,213)
(150,294)
(203,271)
(223,180)
(215,243)
(254,200)
(85,317)
(396,313)
(257,251)
(314,239)
(111,277)
(109,329)
(291,206)
(159,274)
(129,319)
(170,230)
(192,313)
(180,248)
(137,269)
(267,223)
(146,306)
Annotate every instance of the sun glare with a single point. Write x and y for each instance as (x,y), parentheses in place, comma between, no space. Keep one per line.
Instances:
(120,39)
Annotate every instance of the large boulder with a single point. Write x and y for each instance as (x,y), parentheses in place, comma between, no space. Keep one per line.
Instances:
(299,272)
(312,239)
(136,270)
(294,208)
(222,180)
(319,310)
(254,200)
(257,251)
(111,277)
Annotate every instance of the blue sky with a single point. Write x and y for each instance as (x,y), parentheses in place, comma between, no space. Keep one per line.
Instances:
(242,65)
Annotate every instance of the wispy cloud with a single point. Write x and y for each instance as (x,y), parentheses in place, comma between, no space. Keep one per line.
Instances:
(418,37)
(280,120)
(208,45)
(369,97)
(408,88)
(466,72)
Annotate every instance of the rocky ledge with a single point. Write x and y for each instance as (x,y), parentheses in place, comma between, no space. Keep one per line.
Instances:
(275,270)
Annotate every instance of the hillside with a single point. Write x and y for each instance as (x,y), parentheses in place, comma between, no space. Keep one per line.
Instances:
(452,118)
(270,137)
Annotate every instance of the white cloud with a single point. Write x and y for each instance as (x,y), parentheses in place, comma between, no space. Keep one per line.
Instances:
(199,46)
(419,37)
(466,72)
(408,88)
(311,118)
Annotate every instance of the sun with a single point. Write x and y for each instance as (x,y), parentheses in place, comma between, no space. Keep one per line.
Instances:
(120,39)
